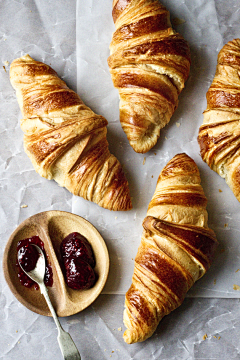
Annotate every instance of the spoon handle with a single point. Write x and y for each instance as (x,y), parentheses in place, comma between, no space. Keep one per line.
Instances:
(66,344)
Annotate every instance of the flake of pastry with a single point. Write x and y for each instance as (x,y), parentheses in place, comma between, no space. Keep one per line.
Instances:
(236,287)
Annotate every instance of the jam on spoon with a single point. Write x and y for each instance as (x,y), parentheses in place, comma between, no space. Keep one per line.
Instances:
(78,260)
(28,256)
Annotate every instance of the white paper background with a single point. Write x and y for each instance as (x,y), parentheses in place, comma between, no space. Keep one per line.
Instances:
(122,231)
(47,31)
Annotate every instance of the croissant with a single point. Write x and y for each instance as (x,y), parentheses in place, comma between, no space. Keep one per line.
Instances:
(176,249)
(149,63)
(219,136)
(65,140)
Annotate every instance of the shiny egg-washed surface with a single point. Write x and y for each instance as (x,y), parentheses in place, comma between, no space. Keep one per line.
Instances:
(176,249)
(219,136)
(149,63)
(65,140)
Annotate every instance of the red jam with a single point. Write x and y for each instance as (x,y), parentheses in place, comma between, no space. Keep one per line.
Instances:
(76,245)
(79,274)
(28,258)
(79,261)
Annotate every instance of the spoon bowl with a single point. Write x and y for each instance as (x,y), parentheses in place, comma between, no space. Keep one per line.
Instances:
(37,274)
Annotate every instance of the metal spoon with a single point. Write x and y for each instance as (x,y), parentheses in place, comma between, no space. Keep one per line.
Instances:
(67,346)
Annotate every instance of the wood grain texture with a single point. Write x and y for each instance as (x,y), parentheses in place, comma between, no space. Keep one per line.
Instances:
(176,249)
(149,63)
(65,140)
(219,136)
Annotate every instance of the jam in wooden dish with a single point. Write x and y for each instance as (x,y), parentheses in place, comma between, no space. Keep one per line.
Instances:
(78,262)
(28,259)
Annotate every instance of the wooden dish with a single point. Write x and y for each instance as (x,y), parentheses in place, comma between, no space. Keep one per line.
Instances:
(52,227)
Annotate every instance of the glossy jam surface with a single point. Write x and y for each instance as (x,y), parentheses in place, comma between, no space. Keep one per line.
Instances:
(28,259)
(78,261)
(79,274)
(76,245)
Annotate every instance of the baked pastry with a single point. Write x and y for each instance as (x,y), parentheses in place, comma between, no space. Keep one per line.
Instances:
(219,136)
(176,249)
(149,63)
(65,140)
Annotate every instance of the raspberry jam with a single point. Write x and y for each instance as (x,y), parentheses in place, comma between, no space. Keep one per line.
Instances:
(28,259)
(79,274)
(78,260)
(76,245)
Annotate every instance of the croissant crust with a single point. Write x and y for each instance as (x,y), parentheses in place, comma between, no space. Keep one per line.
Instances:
(149,63)
(219,136)
(65,140)
(176,249)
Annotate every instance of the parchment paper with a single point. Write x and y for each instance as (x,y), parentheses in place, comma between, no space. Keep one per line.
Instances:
(201,328)
(207,26)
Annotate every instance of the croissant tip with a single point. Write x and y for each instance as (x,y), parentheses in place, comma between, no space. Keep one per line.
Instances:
(127,337)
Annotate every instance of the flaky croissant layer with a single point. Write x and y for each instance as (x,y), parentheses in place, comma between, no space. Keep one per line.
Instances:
(65,140)
(219,136)
(176,249)
(149,63)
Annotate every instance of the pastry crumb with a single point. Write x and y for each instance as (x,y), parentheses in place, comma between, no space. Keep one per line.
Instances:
(120,329)
(6,63)
(219,337)
(152,176)
(177,21)
(220,190)
(214,281)
(116,217)
(144,160)
(237,270)
(24,206)
(205,337)
(214,336)
(226,225)
(178,124)
(155,153)
(4,68)
(236,287)
(165,137)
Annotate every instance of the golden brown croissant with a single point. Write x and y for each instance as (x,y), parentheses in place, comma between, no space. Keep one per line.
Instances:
(65,140)
(176,249)
(149,64)
(219,136)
